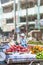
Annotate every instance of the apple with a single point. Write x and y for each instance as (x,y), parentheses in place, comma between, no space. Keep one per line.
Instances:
(9,50)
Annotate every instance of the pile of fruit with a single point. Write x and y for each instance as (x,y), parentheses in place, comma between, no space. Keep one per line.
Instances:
(39,55)
(36,49)
(35,42)
(17,48)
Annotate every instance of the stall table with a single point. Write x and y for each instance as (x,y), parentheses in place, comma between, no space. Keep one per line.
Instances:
(27,62)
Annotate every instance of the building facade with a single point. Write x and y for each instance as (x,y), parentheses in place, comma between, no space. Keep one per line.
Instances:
(8,14)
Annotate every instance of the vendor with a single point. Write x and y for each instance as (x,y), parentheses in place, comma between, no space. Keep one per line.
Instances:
(10,46)
(23,40)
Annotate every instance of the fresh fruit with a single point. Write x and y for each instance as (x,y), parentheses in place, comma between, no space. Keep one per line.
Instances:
(9,50)
(36,49)
(39,55)
(35,42)
(17,48)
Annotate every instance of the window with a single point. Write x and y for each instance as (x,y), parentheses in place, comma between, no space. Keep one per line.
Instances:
(31,27)
(23,6)
(9,21)
(41,2)
(7,9)
(29,18)
(32,18)
(22,19)
(41,16)
(29,5)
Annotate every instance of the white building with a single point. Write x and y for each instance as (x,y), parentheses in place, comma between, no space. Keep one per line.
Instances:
(8,14)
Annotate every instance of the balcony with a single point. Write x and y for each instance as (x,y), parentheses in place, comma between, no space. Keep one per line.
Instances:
(8,15)
(9,2)
(8,27)
(24,23)
(31,11)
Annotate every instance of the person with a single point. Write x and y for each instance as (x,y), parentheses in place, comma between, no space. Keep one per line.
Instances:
(23,40)
(10,46)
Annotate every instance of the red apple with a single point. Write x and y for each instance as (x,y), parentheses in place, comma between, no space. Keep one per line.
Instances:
(9,50)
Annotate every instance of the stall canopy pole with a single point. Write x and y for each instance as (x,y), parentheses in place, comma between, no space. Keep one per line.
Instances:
(1,15)
(14,14)
(18,21)
(38,14)
(26,18)
(14,6)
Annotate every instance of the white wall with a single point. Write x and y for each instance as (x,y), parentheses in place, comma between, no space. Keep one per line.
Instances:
(31,11)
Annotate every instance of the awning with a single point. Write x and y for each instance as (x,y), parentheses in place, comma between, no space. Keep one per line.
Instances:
(8,28)
(24,23)
(30,33)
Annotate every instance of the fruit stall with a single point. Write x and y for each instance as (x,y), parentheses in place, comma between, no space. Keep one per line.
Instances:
(32,54)
(20,55)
